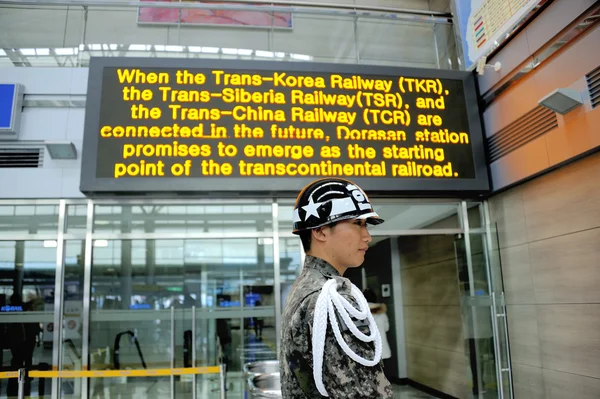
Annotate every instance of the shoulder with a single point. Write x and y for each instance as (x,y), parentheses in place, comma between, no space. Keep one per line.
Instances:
(300,301)
(305,307)
(309,282)
(296,325)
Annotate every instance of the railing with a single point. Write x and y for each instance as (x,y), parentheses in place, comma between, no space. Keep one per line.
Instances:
(67,33)
(23,374)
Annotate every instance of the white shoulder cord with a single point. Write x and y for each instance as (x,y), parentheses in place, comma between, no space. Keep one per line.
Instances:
(329,297)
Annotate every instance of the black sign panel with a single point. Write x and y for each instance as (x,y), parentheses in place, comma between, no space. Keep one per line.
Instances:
(171,125)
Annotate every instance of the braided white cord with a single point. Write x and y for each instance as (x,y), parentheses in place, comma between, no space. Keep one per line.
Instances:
(328,297)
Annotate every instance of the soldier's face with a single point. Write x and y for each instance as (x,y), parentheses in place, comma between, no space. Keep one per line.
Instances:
(348,242)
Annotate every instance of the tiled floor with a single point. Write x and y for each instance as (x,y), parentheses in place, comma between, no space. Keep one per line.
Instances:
(209,390)
(406,392)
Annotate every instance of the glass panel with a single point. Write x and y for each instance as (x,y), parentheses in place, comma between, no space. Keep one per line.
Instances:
(406,216)
(384,38)
(183,218)
(286,216)
(31,47)
(318,38)
(76,218)
(135,283)
(132,387)
(446,313)
(27,272)
(290,264)
(113,292)
(477,313)
(446,47)
(415,277)
(374,278)
(28,219)
(387,42)
(474,210)
(497,283)
(72,323)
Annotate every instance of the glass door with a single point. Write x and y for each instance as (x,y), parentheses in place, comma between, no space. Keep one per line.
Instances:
(27,282)
(482,306)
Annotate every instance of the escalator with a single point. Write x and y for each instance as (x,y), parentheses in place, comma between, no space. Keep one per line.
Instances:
(99,387)
(117,347)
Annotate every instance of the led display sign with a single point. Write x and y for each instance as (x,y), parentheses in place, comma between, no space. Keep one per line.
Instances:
(171,125)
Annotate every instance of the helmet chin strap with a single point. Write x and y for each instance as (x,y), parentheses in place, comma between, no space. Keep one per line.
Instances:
(324,310)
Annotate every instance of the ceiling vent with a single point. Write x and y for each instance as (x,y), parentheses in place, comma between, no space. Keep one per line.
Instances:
(13,156)
(593,83)
(525,129)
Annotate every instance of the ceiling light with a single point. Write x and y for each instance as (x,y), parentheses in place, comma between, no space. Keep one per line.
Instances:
(113,46)
(50,244)
(279,55)
(174,48)
(231,51)
(100,243)
(562,100)
(300,57)
(159,47)
(64,51)
(261,53)
(95,47)
(138,47)
(210,50)
(2,53)
(61,150)
(194,49)
(42,51)
(28,51)
(244,52)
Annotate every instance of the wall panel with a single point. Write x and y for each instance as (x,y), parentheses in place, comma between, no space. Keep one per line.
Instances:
(563,202)
(551,281)
(517,276)
(569,338)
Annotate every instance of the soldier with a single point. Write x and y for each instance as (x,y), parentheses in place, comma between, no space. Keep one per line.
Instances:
(330,345)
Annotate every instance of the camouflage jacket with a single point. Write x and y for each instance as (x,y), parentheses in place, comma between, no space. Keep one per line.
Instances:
(342,376)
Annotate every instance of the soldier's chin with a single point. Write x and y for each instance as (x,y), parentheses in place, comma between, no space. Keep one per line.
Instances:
(358,262)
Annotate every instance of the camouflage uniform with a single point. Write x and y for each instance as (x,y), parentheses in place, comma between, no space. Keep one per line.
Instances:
(342,376)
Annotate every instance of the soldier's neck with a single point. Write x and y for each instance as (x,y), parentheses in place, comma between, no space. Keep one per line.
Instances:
(329,259)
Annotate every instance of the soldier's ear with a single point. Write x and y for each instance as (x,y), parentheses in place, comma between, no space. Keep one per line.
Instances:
(320,234)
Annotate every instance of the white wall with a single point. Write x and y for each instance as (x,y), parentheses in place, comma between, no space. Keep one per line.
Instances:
(57,178)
